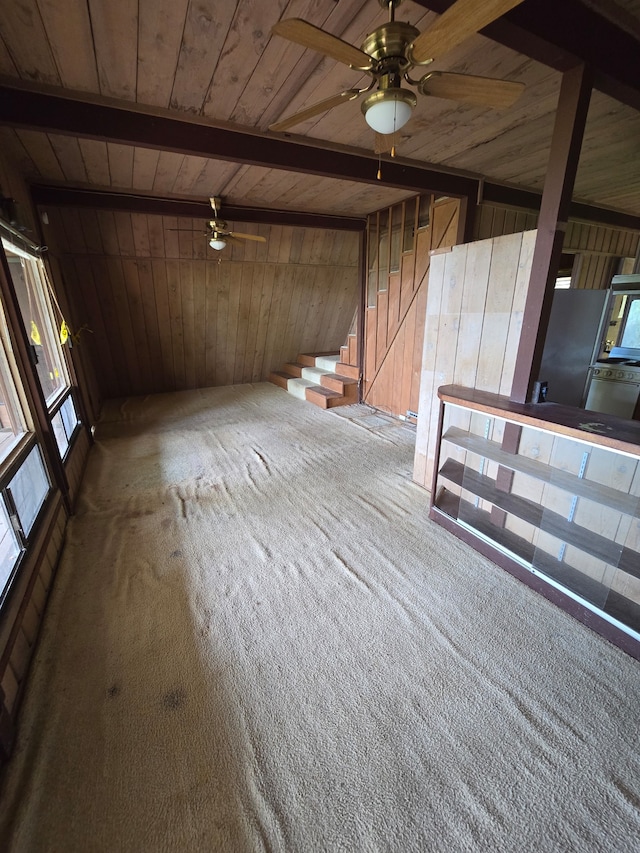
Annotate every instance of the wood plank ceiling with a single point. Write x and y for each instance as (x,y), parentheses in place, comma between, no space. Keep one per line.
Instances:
(219,62)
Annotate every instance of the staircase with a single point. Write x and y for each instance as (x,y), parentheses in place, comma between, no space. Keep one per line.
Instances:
(319,378)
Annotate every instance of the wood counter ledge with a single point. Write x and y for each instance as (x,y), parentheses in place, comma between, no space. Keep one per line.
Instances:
(593,427)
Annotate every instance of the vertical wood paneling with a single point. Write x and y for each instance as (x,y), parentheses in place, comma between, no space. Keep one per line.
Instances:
(582,238)
(188,323)
(166,313)
(115,37)
(160,27)
(393,348)
(166,380)
(23,32)
(75,463)
(204,33)
(175,329)
(264,315)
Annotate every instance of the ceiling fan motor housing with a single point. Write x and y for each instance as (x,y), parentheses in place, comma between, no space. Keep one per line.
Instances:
(388,44)
(390,106)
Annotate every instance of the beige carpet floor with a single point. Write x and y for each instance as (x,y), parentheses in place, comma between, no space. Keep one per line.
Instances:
(257,641)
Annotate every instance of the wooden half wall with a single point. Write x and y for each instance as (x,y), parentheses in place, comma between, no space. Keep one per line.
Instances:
(400,241)
(161,311)
(475,303)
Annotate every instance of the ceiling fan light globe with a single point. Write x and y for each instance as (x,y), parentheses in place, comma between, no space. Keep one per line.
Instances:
(386,111)
(217,243)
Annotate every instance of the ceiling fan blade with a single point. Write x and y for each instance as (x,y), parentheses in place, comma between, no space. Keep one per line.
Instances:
(301,32)
(316,109)
(477,91)
(460,21)
(238,235)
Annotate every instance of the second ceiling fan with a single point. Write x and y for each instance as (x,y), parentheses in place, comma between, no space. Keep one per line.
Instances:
(219,235)
(391,52)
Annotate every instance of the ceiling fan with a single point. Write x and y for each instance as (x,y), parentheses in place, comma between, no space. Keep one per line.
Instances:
(218,233)
(389,54)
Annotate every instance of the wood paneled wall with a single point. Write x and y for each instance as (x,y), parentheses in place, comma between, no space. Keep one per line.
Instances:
(492,221)
(475,304)
(75,463)
(82,363)
(164,312)
(597,248)
(22,617)
(394,320)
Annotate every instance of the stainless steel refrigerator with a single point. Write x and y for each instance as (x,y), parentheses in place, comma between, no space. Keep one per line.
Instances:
(572,343)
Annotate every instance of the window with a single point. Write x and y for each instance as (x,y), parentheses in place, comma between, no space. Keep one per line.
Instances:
(64,423)
(24,483)
(46,329)
(27,490)
(23,494)
(39,318)
(630,334)
(13,425)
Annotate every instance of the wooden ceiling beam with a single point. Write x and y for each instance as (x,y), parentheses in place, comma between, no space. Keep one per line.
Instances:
(68,115)
(565,34)
(57,196)
(165,131)
(507,196)
(499,194)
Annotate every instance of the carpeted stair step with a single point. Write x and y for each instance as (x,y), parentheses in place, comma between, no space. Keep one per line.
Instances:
(327,363)
(313,374)
(344,385)
(323,397)
(314,377)
(298,387)
(310,359)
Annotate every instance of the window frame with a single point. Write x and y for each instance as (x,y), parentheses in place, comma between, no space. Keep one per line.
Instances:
(21,382)
(56,399)
(9,469)
(55,409)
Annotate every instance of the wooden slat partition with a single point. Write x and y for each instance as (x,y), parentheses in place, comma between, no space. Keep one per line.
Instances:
(164,312)
(394,325)
(598,248)
(473,320)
